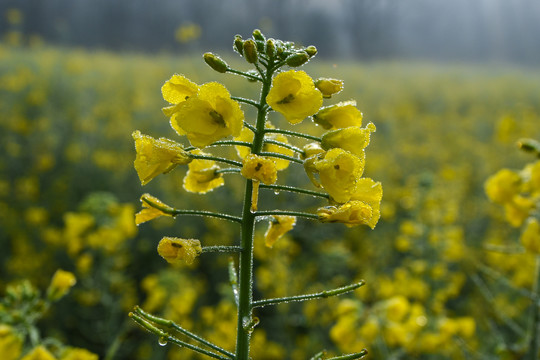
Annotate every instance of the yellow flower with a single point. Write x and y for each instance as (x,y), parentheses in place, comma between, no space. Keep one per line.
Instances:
(533,177)
(354,139)
(294,95)
(156,156)
(370,193)
(207,117)
(339,172)
(312,150)
(517,210)
(176,250)
(530,237)
(502,186)
(202,176)
(279,225)
(329,87)
(351,213)
(259,168)
(397,307)
(246,135)
(341,115)
(10,343)
(78,354)
(39,353)
(152,208)
(178,89)
(61,282)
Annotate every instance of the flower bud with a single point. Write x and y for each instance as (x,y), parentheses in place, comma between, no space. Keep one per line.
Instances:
(329,87)
(270,48)
(257,35)
(238,45)
(297,59)
(529,145)
(311,51)
(62,281)
(215,62)
(250,51)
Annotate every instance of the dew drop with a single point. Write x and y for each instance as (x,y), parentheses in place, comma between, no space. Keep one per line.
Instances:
(276,192)
(162,341)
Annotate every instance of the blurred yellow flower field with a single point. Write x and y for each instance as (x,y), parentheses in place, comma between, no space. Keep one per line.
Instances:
(448,273)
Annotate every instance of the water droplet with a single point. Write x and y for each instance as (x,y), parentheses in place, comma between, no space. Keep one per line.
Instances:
(245,322)
(162,341)
(276,192)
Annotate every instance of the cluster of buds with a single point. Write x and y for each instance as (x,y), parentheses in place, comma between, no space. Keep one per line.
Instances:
(260,47)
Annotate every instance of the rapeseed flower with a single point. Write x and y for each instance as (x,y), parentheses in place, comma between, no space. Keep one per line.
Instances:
(178,89)
(156,156)
(39,353)
(354,139)
(530,237)
(78,354)
(329,87)
(294,95)
(10,343)
(259,168)
(517,210)
(202,176)
(502,186)
(61,282)
(338,170)
(279,226)
(176,250)
(152,208)
(208,116)
(338,116)
(351,213)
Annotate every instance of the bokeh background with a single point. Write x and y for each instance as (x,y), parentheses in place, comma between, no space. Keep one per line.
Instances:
(450,85)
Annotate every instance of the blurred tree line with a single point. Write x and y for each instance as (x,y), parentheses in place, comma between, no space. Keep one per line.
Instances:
(502,30)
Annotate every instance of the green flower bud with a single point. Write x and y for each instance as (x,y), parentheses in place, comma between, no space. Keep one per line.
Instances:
(215,62)
(270,48)
(257,35)
(529,145)
(297,59)
(311,50)
(250,51)
(238,44)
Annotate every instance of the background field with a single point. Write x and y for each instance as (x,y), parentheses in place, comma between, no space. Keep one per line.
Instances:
(68,193)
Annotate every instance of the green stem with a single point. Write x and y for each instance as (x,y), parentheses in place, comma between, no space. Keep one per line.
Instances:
(534,343)
(245,101)
(177,212)
(245,267)
(322,294)
(354,356)
(293,133)
(233,280)
(288,213)
(231,142)
(172,325)
(216,158)
(250,127)
(295,190)
(281,156)
(165,338)
(285,145)
(228,171)
(221,248)
(244,74)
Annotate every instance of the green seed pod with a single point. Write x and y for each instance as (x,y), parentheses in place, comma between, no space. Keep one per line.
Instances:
(297,59)
(270,48)
(250,51)
(311,50)
(257,35)
(215,62)
(238,44)
(530,146)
